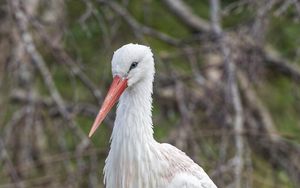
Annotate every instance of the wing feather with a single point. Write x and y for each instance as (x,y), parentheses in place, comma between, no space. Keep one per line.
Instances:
(182,171)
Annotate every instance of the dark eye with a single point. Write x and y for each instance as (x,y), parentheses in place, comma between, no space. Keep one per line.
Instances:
(133,65)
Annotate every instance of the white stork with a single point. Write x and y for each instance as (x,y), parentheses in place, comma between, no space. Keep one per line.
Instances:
(135,159)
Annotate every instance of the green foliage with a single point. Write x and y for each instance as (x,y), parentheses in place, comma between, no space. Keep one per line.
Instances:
(284,35)
(264,174)
(282,98)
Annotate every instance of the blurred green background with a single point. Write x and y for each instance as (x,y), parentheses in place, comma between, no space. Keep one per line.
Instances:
(55,69)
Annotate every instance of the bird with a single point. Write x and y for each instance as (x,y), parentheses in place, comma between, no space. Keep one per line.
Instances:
(135,158)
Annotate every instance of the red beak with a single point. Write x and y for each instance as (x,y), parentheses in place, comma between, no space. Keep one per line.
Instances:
(115,91)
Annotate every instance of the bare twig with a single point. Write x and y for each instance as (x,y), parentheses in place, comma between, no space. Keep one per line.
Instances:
(39,62)
(64,57)
(78,108)
(281,65)
(12,171)
(184,13)
(234,92)
(271,146)
(137,27)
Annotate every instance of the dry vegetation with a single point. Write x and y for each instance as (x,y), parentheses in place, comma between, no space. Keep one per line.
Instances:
(226,89)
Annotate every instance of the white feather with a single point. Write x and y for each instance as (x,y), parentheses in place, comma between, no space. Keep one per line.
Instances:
(135,159)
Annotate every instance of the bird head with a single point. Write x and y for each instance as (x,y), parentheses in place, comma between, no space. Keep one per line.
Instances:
(131,64)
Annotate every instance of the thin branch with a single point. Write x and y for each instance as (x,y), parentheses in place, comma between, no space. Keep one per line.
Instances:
(234,92)
(83,109)
(272,147)
(11,169)
(19,96)
(139,28)
(186,15)
(40,64)
(281,65)
(64,57)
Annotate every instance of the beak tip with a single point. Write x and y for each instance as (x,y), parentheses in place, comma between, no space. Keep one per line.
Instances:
(91,133)
(116,89)
(93,129)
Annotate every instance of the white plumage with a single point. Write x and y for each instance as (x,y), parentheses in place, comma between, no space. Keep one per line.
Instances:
(135,159)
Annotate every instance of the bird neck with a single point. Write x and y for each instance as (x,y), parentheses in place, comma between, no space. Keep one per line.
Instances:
(132,141)
(133,119)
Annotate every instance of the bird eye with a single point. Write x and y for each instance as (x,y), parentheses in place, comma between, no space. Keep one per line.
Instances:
(133,65)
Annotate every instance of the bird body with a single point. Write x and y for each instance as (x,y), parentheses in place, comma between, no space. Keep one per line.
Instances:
(135,159)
